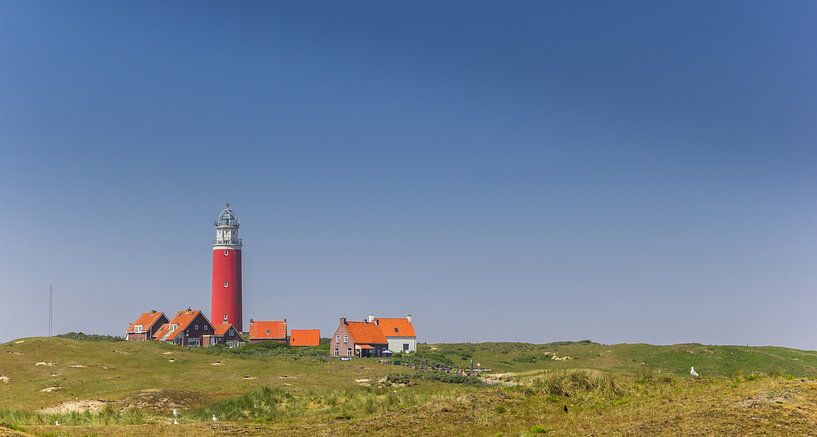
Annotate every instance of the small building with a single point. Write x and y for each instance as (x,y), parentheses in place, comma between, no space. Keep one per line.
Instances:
(268,330)
(224,333)
(399,331)
(359,339)
(145,326)
(187,328)
(305,337)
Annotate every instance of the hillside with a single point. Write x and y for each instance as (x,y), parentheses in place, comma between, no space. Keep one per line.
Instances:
(130,388)
(631,358)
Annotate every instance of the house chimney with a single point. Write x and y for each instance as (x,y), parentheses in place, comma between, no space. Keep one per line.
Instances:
(371,318)
(225,318)
(251,320)
(343,320)
(408,317)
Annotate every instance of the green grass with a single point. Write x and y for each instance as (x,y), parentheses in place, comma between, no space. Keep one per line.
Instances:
(630,358)
(267,389)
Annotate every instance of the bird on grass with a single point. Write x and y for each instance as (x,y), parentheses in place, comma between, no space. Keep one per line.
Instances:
(693,372)
(175,413)
(215,419)
(56,423)
(175,422)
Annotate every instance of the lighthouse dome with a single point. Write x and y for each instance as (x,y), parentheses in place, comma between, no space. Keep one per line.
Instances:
(227,217)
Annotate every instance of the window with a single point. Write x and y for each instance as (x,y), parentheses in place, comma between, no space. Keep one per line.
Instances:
(226,253)
(395,329)
(196,327)
(405,347)
(137,329)
(337,338)
(230,333)
(205,327)
(349,351)
(346,338)
(226,284)
(267,331)
(337,351)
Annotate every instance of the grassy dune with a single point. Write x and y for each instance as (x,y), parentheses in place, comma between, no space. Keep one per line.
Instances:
(131,388)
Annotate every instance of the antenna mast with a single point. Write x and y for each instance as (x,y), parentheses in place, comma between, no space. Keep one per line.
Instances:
(50,309)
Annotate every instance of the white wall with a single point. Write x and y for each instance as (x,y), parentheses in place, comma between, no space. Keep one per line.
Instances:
(396,343)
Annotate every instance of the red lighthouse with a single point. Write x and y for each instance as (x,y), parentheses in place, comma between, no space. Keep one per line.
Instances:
(226,303)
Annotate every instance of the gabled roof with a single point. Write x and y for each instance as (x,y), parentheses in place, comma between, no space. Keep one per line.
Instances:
(396,326)
(305,337)
(182,320)
(162,332)
(268,329)
(221,329)
(365,332)
(147,320)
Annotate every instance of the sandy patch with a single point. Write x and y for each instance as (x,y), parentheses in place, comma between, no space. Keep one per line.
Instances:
(19,342)
(4,379)
(167,353)
(43,363)
(78,366)
(50,389)
(53,374)
(90,406)
(248,377)
(217,363)
(162,401)
(172,360)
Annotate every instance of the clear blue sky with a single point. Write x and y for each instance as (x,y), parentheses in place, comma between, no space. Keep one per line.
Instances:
(533,171)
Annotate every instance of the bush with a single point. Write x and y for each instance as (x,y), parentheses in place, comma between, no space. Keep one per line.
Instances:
(81,336)
(573,382)
(539,429)
(451,378)
(398,378)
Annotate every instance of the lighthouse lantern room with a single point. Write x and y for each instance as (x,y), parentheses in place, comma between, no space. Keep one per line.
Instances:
(226,293)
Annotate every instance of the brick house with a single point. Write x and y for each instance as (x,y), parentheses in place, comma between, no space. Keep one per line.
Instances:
(187,328)
(399,331)
(268,330)
(145,326)
(359,339)
(305,337)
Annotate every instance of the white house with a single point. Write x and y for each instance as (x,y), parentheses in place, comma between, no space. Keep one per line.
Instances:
(399,331)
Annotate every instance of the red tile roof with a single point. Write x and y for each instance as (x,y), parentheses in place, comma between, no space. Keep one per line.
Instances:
(268,329)
(182,320)
(305,337)
(396,327)
(364,332)
(147,320)
(221,330)
(163,330)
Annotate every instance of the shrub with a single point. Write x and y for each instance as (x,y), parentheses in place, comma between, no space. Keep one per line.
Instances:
(451,378)
(573,382)
(81,336)
(398,378)
(539,429)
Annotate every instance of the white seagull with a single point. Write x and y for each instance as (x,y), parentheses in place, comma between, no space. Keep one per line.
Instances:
(56,423)
(693,372)
(215,419)
(175,413)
